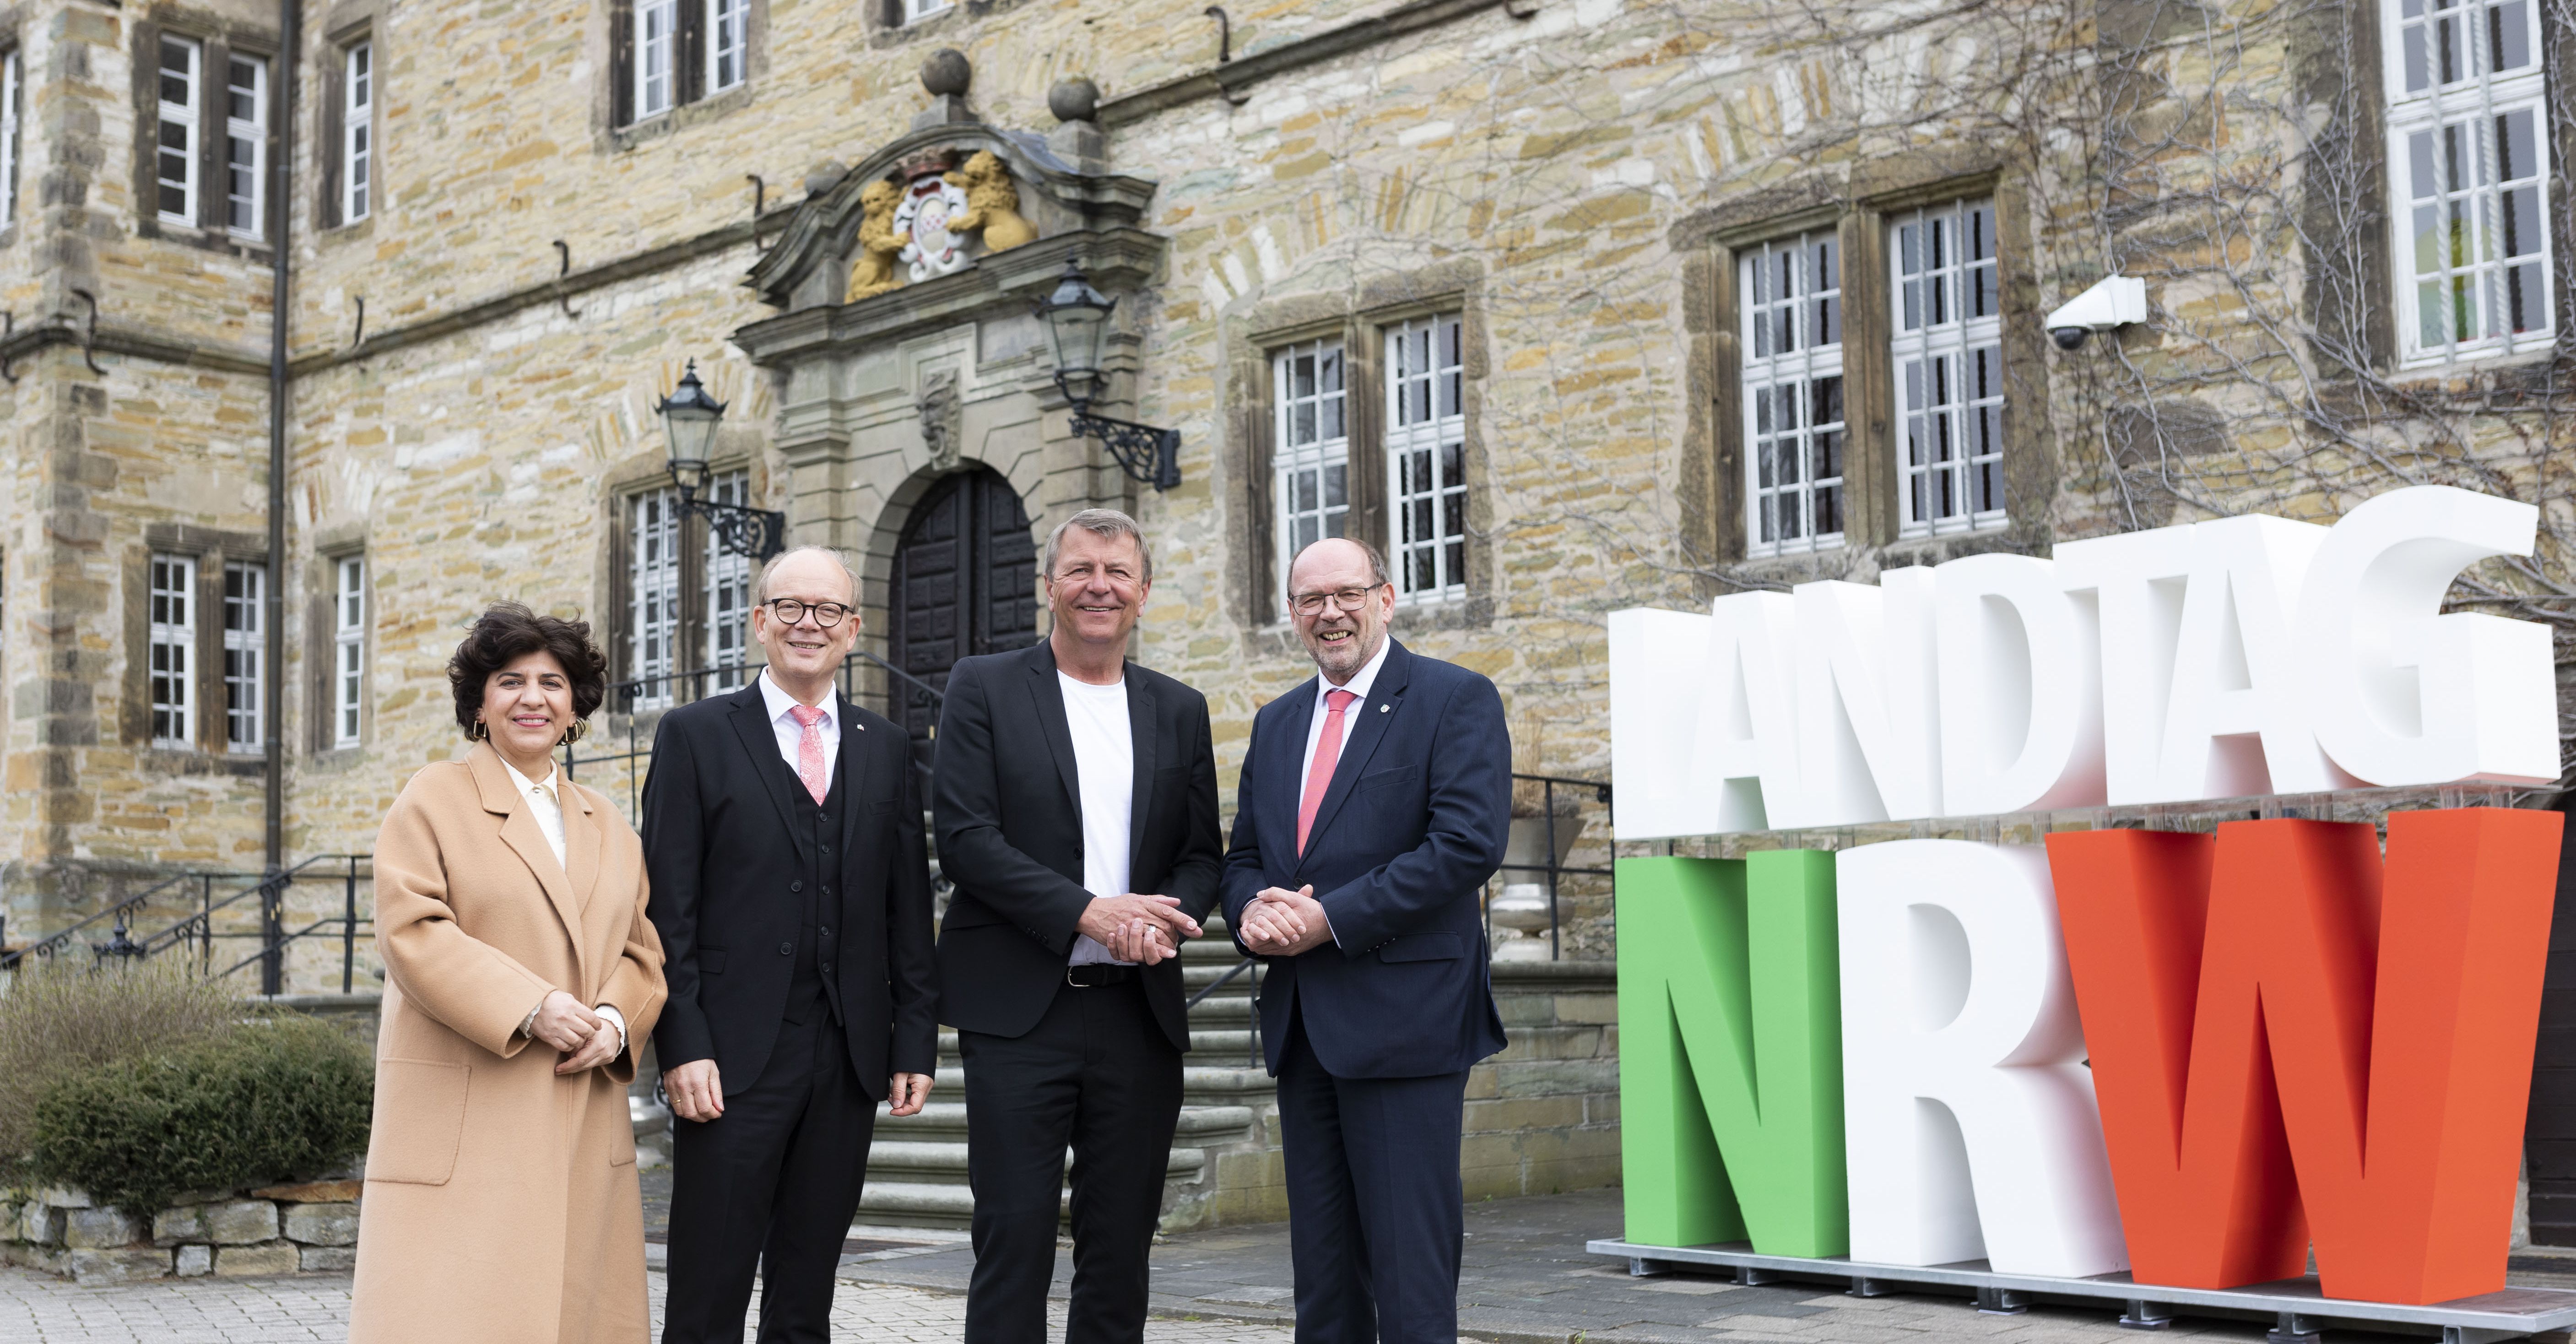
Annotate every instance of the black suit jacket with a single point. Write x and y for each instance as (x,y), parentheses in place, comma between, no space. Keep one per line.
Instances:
(1009,815)
(721,844)
(1405,836)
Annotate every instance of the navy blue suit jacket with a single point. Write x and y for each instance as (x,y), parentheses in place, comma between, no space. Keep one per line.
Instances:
(1409,831)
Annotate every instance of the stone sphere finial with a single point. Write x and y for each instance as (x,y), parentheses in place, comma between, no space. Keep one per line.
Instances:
(1074,99)
(824,176)
(946,72)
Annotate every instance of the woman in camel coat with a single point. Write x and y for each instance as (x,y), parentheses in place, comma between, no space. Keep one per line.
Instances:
(520,978)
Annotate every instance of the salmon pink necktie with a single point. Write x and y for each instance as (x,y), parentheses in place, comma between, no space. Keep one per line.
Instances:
(809,750)
(1319,776)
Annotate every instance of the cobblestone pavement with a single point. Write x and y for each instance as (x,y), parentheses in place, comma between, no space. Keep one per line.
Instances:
(40,1309)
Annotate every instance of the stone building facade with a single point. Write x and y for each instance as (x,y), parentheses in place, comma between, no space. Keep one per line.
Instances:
(1570,305)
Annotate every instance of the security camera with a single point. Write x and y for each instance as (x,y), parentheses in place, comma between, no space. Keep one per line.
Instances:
(2116,302)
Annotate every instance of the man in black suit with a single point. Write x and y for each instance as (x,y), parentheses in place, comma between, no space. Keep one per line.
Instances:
(782,832)
(1069,780)
(1373,806)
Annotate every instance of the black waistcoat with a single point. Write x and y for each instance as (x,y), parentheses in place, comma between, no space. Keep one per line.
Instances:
(815,983)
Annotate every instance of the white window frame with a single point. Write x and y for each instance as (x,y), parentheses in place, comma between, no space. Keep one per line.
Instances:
(914,11)
(1945,359)
(348,650)
(1426,457)
(357,131)
(1311,448)
(1790,298)
(170,649)
(656,57)
(246,134)
(726,592)
(728,44)
(183,117)
(2470,291)
(245,649)
(10,77)
(653,535)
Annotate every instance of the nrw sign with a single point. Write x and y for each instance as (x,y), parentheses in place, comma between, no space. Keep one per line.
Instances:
(2222,659)
(2192,1057)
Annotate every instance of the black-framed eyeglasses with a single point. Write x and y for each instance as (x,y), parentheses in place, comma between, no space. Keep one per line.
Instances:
(790,611)
(1348,599)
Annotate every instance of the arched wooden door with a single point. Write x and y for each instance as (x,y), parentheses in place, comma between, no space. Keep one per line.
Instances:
(965,576)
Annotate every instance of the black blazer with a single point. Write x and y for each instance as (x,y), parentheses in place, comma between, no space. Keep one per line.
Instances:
(1405,836)
(1010,834)
(721,846)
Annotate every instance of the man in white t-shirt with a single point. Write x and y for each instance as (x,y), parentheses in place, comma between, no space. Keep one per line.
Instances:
(1075,802)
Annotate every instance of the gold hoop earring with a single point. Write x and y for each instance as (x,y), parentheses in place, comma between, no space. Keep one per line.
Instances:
(476,731)
(572,734)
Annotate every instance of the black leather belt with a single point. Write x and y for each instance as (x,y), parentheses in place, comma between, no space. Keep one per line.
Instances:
(1095,974)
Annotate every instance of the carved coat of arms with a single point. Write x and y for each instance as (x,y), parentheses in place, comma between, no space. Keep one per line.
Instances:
(929,203)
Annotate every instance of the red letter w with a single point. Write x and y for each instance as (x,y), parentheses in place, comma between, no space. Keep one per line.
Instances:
(2286,1044)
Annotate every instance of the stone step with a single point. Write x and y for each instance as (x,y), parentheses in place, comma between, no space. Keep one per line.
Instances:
(945,1122)
(908,1163)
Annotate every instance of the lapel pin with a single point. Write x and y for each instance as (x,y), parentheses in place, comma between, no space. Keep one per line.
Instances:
(1384,708)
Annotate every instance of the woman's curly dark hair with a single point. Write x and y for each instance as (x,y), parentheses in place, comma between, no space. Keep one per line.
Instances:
(508,632)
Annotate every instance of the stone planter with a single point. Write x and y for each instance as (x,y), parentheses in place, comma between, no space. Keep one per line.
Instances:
(310,1228)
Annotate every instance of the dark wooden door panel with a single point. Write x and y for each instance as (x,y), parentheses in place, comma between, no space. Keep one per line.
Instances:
(965,575)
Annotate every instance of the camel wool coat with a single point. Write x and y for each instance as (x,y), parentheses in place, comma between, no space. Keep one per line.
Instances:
(501,1201)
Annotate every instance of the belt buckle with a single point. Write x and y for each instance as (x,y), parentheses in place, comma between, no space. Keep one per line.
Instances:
(1068,978)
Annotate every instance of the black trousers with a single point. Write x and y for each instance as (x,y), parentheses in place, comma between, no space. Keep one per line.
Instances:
(1098,1075)
(1375,1210)
(773,1182)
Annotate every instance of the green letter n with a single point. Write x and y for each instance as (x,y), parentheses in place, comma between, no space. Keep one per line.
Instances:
(1730,1053)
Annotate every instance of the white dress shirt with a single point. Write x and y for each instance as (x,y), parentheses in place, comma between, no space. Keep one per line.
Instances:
(1104,767)
(1359,685)
(547,807)
(791,734)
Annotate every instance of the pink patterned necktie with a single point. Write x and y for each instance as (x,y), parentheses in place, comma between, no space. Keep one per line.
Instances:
(809,751)
(1328,751)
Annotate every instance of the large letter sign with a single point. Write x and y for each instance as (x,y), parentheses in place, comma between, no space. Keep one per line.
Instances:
(2294,1038)
(1730,1057)
(2206,660)
(2277,1030)
(1969,1117)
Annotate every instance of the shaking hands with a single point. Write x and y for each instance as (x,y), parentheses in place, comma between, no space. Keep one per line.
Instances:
(1283,923)
(1141,929)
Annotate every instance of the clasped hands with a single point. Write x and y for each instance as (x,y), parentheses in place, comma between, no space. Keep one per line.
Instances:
(586,1039)
(1141,929)
(1283,923)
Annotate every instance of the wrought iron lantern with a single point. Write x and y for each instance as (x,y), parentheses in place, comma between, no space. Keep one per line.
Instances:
(1077,320)
(689,420)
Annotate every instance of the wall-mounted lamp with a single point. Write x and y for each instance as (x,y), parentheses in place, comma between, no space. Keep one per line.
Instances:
(1077,318)
(689,420)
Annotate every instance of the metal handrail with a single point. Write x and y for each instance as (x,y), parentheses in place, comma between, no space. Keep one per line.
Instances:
(198,928)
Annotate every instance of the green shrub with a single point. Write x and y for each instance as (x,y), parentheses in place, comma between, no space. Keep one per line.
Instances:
(62,1019)
(277,1099)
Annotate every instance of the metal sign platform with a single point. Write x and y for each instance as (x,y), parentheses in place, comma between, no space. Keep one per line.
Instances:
(2297,1308)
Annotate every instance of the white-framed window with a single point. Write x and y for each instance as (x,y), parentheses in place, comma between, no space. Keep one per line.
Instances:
(245,145)
(9,96)
(1426,457)
(657,44)
(245,590)
(1312,462)
(357,132)
(2468,152)
(917,10)
(1794,436)
(175,157)
(348,649)
(653,594)
(1947,355)
(171,650)
(728,43)
(727,597)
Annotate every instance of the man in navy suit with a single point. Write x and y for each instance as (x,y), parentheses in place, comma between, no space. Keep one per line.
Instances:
(1372,809)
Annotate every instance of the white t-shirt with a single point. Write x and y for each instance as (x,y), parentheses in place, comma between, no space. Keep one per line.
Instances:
(1104,757)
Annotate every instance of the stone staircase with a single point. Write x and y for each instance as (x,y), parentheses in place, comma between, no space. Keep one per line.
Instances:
(1224,1163)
